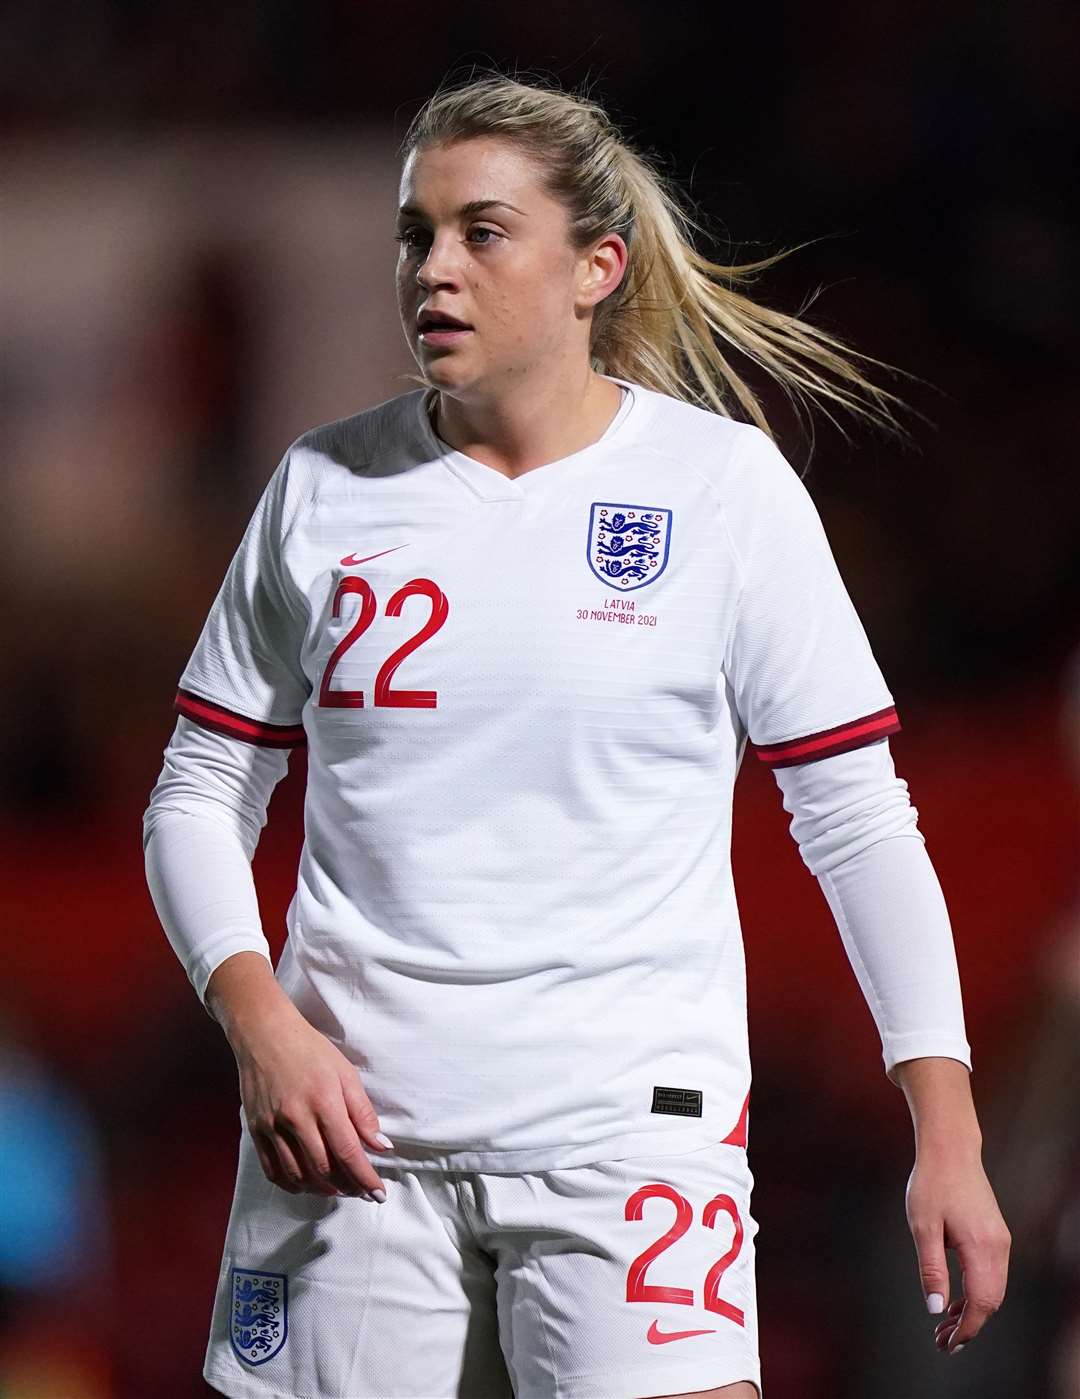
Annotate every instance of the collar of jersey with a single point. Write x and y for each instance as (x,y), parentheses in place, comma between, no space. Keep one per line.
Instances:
(490,484)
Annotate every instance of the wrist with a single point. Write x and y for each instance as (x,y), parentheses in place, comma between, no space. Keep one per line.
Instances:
(938,1093)
(248,1025)
(243,995)
(948,1141)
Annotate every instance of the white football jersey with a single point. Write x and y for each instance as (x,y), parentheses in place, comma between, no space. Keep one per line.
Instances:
(525,703)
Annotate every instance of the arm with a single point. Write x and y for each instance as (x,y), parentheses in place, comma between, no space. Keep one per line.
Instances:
(306,1109)
(810,696)
(857,832)
(200,831)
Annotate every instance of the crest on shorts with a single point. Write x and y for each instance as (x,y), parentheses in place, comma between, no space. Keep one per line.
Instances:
(258,1321)
(628,544)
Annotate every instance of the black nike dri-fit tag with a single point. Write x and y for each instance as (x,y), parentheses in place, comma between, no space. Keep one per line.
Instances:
(680,1102)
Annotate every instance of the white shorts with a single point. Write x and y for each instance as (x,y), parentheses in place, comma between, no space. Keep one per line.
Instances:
(616,1280)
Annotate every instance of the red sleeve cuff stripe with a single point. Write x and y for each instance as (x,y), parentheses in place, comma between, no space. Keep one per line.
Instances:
(826,742)
(227,721)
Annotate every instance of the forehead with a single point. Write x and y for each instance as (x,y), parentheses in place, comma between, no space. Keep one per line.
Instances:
(478,168)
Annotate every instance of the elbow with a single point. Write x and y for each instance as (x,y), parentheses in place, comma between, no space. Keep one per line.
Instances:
(843,804)
(209,814)
(216,778)
(825,850)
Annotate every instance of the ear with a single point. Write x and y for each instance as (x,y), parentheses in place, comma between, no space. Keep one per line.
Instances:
(604,266)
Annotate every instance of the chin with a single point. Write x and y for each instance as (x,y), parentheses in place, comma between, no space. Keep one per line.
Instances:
(447,370)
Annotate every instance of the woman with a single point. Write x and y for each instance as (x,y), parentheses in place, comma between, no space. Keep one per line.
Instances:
(526,619)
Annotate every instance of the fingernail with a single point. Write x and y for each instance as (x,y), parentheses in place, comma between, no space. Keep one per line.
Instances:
(380,1195)
(935,1303)
(960,1347)
(384,1140)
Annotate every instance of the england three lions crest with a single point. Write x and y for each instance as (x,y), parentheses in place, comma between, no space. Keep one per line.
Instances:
(628,544)
(259,1318)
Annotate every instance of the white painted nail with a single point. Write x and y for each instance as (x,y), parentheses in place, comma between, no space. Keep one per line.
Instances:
(379,1195)
(960,1347)
(935,1303)
(384,1140)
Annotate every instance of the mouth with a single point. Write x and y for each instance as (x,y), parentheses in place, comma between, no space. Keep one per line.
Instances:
(444,336)
(435,328)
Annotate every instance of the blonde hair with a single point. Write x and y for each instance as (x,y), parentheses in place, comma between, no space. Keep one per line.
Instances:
(660,326)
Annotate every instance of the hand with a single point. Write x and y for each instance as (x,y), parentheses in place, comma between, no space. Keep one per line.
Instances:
(305,1108)
(950,1204)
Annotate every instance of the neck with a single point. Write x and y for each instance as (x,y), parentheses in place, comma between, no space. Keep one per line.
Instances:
(533,428)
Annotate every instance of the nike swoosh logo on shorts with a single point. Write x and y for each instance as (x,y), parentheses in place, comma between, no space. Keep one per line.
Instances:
(656,1337)
(350,559)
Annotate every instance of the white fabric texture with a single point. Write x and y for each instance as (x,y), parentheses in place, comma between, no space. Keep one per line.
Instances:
(857,831)
(797,658)
(525,703)
(853,821)
(200,832)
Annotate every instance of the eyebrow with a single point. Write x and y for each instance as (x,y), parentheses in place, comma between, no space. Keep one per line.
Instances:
(474,206)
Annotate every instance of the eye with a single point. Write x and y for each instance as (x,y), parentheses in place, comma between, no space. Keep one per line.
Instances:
(406,235)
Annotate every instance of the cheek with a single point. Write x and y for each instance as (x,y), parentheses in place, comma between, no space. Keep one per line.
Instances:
(525,306)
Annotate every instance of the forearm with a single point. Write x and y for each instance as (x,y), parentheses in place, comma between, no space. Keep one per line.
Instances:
(892,918)
(202,887)
(857,833)
(200,831)
(938,1093)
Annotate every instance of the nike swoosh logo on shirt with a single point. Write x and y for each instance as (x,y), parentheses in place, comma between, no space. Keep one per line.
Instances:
(656,1337)
(350,559)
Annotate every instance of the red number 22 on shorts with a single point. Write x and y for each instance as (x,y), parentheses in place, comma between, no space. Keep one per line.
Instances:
(638,1290)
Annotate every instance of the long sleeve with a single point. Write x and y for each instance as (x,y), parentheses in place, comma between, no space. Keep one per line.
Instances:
(857,832)
(240,705)
(814,704)
(200,832)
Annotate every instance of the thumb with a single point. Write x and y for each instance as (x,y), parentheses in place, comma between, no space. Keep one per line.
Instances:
(933,1271)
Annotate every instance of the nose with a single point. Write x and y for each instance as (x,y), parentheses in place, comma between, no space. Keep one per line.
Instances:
(437,267)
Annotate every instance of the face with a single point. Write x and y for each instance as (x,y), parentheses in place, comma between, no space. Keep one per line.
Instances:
(507,271)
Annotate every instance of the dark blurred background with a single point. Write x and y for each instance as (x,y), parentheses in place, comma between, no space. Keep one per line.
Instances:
(197,265)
